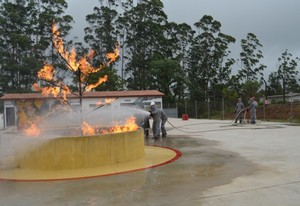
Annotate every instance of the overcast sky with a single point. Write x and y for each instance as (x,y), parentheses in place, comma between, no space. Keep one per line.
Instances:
(274,22)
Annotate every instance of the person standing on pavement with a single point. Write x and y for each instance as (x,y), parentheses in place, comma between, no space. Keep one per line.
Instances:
(239,111)
(155,114)
(164,119)
(252,109)
(146,126)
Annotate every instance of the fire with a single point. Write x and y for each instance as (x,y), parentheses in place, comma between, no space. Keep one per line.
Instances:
(129,125)
(109,100)
(100,81)
(81,69)
(106,101)
(87,129)
(113,56)
(54,90)
(46,73)
(70,57)
(32,131)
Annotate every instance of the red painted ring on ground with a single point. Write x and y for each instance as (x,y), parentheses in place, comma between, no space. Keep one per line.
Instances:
(155,156)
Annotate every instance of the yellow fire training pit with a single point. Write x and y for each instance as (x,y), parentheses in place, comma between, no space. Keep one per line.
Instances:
(85,151)
(87,156)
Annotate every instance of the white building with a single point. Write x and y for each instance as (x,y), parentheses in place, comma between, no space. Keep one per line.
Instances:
(290,97)
(21,108)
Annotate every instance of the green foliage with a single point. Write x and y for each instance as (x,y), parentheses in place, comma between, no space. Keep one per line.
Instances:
(25,33)
(287,73)
(209,69)
(169,78)
(250,89)
(184,62)
(251,68)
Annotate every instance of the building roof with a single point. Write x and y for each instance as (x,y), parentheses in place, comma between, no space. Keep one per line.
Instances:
(97,94)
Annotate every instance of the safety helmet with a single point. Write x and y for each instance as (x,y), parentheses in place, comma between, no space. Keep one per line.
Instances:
(152,104)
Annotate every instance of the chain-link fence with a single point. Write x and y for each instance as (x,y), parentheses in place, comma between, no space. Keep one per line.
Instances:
(216,108)
(224,109)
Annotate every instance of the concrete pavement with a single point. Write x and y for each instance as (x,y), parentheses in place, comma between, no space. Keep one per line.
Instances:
(221,164)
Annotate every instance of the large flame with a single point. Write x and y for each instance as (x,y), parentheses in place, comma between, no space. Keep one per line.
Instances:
(46,73)
(130,125)
(86,69)
(82,68)
(100,81)
(58,43)
(32,131)
(87,129)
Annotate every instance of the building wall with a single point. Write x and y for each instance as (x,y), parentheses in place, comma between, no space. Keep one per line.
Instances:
(295,97)
(29,111)
(1,121)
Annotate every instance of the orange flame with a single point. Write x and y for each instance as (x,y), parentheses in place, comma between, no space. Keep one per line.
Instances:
(85,67)
(112,56)
(100,81)
(109,100)
(60,48)
(106,101)
(129,125)
(46,73)
(32,131)
(87,129)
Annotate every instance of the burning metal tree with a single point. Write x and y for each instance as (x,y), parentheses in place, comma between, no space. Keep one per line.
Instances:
(81,68)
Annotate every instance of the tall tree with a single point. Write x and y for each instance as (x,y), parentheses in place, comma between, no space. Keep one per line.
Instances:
(251,55)
(144,37)
(26,36)
(101,37)
(287,72)
(16,43)
(169,77)
(274,85)
(208,62)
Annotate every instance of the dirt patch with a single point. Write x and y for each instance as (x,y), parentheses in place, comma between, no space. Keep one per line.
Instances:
(279,112)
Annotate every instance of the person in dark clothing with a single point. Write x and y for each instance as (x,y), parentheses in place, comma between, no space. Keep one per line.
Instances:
(146,126)
(164,119)
(239,108)
(252,109)
(155,114)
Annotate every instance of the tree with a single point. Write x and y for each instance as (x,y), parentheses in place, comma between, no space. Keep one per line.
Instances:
(287,72)
(144,38)
(16,44)
(274,87)
(250,89)
(169,77)
(25,36)
(209,67)
(101,37)
(251,68)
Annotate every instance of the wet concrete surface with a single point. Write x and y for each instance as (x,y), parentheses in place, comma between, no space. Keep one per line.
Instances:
(221,164)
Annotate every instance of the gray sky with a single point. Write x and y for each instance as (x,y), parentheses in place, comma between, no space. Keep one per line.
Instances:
(274,22)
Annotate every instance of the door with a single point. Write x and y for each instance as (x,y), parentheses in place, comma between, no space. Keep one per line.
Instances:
(10,116)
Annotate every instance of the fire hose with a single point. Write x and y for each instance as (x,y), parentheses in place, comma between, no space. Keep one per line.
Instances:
(238,114)
(210,130)
(181,129)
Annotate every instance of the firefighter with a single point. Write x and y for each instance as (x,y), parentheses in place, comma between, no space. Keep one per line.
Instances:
(164,119)
(155,114)
(239,108)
